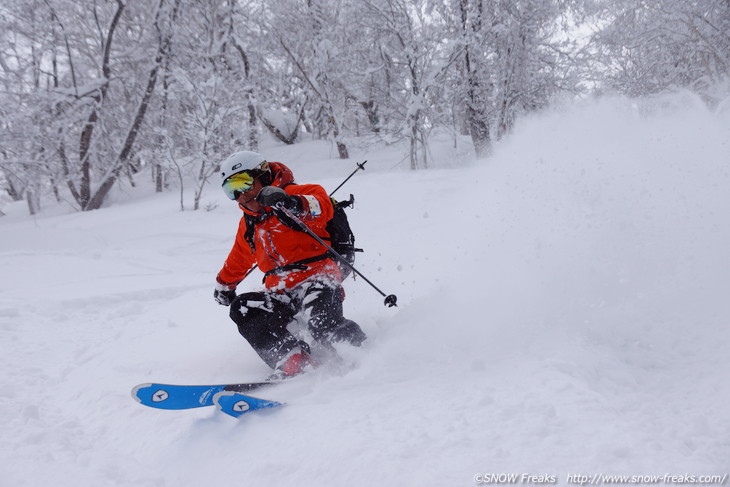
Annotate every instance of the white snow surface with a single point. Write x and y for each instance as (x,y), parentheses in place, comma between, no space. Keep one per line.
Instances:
(563,309)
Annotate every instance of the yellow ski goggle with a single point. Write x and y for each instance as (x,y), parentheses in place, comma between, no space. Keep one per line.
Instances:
(237,184)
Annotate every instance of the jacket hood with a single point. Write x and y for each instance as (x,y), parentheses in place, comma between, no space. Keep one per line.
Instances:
(281,175)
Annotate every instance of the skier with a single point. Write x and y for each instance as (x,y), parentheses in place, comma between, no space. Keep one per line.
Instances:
(299,273)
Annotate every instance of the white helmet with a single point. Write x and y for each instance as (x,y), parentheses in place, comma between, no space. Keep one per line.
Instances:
(243,161)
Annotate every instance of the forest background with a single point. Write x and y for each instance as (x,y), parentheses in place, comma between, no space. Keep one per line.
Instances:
(94,93)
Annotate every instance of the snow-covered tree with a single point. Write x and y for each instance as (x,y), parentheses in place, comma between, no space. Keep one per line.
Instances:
(647,47)
(311,37)
(93,92)
(412,61)
(207,102)
(512,60)
(91,78)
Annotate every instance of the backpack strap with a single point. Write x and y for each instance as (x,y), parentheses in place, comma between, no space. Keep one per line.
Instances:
(299,265)
(251,222)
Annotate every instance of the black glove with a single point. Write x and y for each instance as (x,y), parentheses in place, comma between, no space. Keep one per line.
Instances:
(272,196)
(223,294)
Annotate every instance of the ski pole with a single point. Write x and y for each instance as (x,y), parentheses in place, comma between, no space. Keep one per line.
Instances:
(390,299)
(360,165)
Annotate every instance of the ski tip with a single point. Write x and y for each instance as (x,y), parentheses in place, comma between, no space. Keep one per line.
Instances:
(236,404)
(137,388)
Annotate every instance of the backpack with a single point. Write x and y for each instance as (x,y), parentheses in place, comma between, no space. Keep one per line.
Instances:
(342,239)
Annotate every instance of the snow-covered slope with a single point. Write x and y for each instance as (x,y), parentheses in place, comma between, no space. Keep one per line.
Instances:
(562,310)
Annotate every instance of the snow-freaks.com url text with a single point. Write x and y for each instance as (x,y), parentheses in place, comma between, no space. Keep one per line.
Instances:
(599,479)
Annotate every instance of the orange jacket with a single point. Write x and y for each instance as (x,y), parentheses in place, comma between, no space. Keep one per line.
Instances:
(274,244)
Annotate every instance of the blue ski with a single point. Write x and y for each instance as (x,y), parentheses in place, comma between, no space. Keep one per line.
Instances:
(237,404)
(171,396)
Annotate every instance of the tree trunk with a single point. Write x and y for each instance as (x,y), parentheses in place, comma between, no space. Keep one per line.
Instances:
(476,120)
(126,152)
(287,139)
(371,110)
(34,202)
(159,173)
(479,132)
(159,178)
(84,192)
(414,142)
(253,138)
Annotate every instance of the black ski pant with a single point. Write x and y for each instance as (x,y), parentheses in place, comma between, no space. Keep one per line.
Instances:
(262,319)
